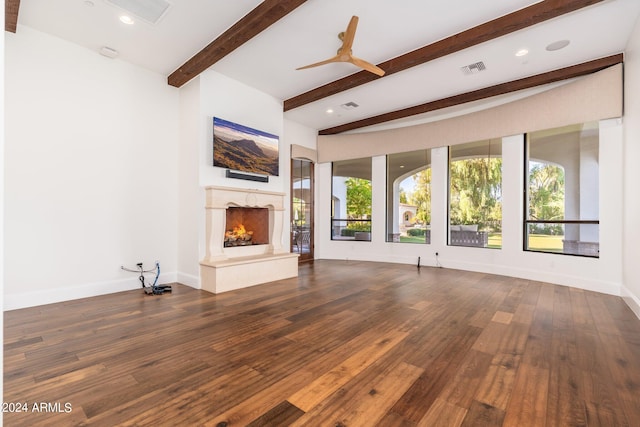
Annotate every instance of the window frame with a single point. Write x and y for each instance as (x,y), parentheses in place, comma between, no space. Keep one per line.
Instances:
(391,236)
(525,210)
(473,239)
(357,237)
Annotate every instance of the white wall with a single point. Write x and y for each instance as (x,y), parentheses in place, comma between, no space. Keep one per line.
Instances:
(228,99)
(106,166)
(603,274)
(91,171)
(295,133)
(631,290)
(190,194)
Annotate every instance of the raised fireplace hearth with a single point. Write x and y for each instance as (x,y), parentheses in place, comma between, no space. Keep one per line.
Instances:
(244,234)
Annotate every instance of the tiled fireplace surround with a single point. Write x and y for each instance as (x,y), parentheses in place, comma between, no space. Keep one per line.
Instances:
(228,268)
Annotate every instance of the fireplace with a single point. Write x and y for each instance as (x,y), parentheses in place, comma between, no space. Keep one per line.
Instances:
(251,254)
(246,226)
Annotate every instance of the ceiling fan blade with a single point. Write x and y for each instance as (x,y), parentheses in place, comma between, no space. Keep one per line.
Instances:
(349,34)
(344,53)
(326,61)
(367,66)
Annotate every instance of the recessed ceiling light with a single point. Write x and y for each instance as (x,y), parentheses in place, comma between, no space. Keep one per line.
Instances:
(560,44)
(125,19)
(522,52)
(329,111)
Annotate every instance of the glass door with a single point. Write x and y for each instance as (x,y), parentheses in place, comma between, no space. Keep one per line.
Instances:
(302,208)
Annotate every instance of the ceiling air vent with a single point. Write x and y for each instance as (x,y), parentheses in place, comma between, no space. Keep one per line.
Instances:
(108,52)
(350,105)
(473,68)
(147,10)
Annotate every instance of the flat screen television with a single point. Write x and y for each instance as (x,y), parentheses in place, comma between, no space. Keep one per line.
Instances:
(241,148)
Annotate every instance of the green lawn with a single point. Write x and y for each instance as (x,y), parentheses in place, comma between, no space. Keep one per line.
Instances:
(495,240)
(412,239)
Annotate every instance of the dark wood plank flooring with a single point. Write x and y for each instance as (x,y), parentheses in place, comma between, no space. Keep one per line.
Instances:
(344,344)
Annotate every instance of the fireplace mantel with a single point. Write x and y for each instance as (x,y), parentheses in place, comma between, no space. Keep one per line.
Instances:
(219,199)
(230,268)
(223,197)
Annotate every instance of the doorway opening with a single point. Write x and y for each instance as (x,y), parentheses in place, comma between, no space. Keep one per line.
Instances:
(302,208)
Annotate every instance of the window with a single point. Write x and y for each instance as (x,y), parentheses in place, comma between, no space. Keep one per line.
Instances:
(409,197)
(563,191)
(475,194)
(351,200)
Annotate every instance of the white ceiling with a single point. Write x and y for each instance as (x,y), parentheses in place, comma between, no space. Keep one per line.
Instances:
(309,34)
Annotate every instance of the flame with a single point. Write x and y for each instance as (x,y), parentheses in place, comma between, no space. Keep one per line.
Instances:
(239,230)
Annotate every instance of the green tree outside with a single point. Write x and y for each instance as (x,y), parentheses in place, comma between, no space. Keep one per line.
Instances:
(476,193)
(546,196)
(421,196)
(358,204)
(358,198)
(404,198)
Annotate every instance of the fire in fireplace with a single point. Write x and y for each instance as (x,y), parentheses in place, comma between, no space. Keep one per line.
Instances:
(246,226)
(239,236)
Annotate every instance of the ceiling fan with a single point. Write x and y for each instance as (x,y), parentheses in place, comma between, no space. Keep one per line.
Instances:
(344,53)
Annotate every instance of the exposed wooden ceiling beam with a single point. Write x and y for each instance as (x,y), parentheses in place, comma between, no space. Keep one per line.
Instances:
(504,25)
(501,89)
(11,8)
(256,21)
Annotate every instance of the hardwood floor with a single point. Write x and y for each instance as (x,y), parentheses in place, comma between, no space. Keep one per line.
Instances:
(344,344)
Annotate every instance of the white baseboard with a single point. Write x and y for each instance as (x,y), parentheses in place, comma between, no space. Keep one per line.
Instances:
(49,296)
(556,278)
(632,301)
(189,280)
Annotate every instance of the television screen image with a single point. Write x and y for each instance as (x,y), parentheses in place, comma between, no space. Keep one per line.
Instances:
(241,148)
